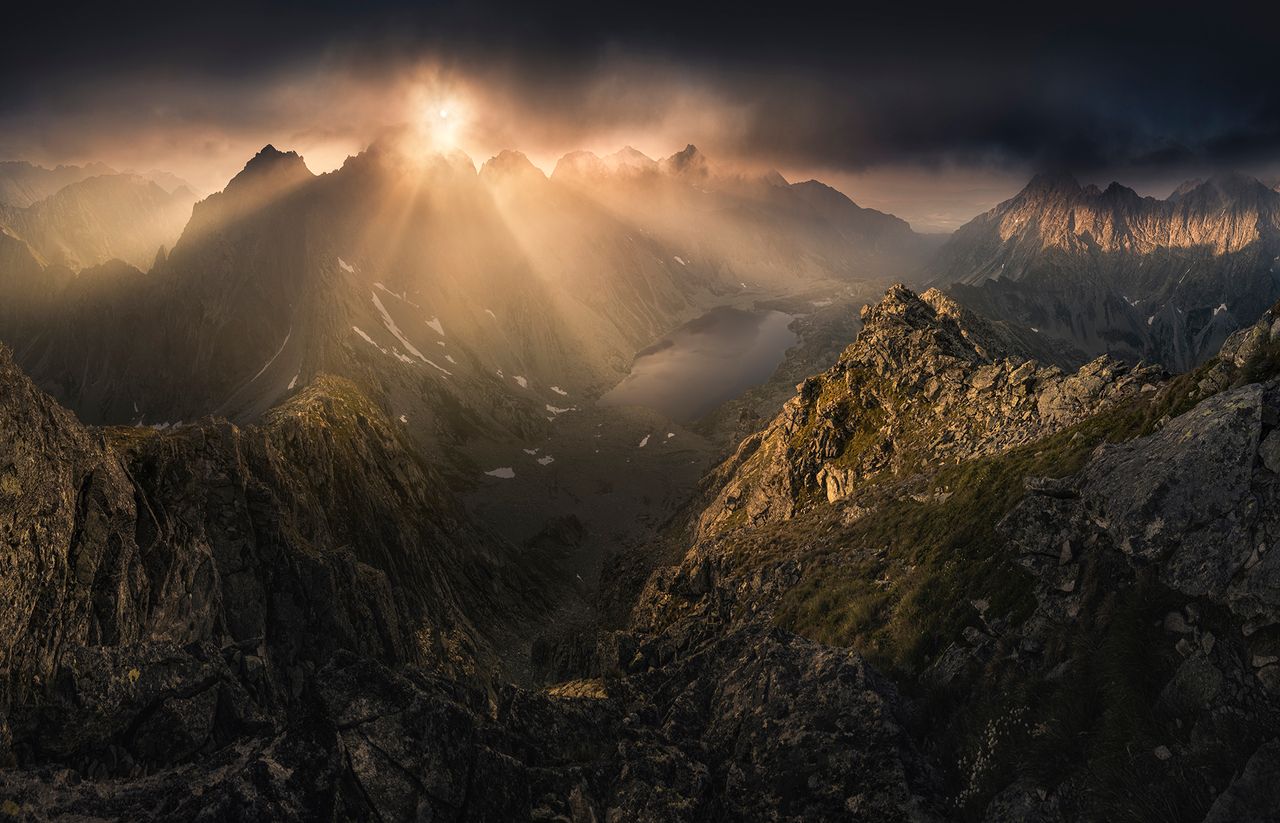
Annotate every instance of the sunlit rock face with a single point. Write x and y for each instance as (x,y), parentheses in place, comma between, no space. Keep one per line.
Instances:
(926,383)
(1108,271)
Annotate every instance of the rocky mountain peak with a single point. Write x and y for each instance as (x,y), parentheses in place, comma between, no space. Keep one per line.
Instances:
(631,158)
(270,166)
(509,164)
(1115,272)
(1052,183)
(578,164)
(926,381)
(687,161)
(1117,193)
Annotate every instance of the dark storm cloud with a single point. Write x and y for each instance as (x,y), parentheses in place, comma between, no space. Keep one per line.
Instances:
(1092,88)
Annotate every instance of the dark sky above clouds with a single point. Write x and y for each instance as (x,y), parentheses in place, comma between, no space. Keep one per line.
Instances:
(933,111)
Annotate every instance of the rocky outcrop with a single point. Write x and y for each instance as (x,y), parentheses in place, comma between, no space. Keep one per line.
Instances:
(1206,531)
(927,383)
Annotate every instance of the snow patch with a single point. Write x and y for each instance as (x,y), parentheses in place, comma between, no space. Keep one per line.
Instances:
(491,314)
(1151,319)
(670,435)
(437,366)
(345,266)
(397,296)
(293,382)
(1220,309)
(530,452)
(449,357)
(681,261)
(367,338)
(821,304)
(524,384)
(644,442)
(435,324)
(555,410)
(404,419)
(546,461)
(395,330)
(287,335)
(505,472)
(560,391)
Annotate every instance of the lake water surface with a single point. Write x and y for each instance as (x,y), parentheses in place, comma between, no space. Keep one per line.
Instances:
(705,362)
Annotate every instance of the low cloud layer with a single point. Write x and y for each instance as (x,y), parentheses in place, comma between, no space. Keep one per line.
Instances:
(970,101)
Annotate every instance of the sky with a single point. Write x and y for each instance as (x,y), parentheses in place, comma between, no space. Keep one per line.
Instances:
(934,113)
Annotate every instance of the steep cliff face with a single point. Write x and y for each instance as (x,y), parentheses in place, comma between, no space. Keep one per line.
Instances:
(926,384)
(1108,271)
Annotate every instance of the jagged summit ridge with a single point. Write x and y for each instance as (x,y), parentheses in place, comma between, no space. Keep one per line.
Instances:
(926,382)
(270,166)
(1111,271)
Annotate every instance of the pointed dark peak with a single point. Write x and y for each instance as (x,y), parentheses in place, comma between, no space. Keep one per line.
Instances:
(688,161)
(272,165)
(1117,192)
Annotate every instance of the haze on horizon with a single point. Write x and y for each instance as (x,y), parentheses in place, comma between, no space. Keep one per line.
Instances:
(889,106)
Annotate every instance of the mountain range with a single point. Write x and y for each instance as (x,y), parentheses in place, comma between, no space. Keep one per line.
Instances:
(1109,271)
(476,291)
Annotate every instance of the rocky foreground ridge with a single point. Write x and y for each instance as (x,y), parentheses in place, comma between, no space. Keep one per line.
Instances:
(1067,576)
(1033,595)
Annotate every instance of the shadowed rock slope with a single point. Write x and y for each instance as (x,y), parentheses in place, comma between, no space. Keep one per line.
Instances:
(268,623)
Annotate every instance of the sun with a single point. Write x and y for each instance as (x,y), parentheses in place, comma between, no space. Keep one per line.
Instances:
(442,123)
